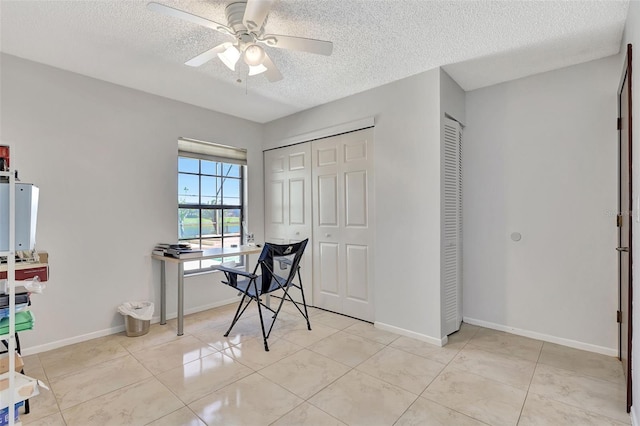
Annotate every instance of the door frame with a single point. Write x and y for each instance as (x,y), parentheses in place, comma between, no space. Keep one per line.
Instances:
(626,78)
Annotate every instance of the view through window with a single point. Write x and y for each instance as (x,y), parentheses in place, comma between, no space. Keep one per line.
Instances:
(210,206)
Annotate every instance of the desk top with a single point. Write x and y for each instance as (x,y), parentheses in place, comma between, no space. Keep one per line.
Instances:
(213,253)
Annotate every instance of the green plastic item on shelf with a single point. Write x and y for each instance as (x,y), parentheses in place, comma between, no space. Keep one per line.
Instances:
(24,321)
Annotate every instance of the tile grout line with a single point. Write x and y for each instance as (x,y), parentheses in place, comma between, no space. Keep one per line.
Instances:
(445,365)
(254,371)
(48,380)
(51,384)
(304,400)
(351,368)
(530,382)
(576,374)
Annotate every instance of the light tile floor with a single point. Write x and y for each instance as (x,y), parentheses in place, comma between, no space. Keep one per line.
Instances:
(343,372)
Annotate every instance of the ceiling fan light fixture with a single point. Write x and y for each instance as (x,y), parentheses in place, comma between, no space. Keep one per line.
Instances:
(258,69)
(229,57)
(254,55)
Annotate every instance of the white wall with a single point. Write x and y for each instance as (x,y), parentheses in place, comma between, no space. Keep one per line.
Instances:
(632,35)
(540,159)
(452,98)
(407,192)
(105,159)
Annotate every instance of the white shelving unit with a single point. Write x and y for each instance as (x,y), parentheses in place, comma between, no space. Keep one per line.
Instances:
(9,397)
(11,272)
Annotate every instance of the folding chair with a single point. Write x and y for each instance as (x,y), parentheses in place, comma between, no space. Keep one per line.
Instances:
(279,264)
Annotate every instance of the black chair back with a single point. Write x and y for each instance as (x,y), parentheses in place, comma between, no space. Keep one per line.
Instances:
(289,254)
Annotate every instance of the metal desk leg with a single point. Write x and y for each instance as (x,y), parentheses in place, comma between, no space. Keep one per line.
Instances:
(180,298)
(163,292)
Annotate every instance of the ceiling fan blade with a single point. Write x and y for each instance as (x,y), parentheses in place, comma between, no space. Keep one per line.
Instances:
(255,13)
(186,16)
(272,73)
(208,55)
(298,43)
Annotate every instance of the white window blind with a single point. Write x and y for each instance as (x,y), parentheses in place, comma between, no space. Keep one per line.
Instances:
(211,151)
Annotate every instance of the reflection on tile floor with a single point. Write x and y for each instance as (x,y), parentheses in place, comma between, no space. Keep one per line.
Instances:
(343,372)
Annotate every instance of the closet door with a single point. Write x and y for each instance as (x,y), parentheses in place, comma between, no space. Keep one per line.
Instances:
(287,180)
(343,223)
(451,252)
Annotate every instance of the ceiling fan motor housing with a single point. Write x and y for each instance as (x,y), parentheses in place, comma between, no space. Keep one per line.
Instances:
(235,14)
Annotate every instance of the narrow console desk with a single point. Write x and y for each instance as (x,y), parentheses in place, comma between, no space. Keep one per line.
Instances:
(206,254)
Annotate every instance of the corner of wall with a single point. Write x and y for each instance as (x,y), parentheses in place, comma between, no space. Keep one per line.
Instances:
(438,341)
(452,98)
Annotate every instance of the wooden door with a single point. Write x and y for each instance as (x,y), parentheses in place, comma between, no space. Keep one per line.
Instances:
(625,220)
(287,180)
(343,223)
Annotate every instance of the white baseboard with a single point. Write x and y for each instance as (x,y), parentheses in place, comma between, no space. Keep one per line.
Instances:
(118,329)
(408,333)
(71,340)
(544,337)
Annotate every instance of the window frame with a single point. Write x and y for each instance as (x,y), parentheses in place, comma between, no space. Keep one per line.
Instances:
(196,266)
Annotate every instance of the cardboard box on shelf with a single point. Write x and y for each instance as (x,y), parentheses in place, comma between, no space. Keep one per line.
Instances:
(43,257)
(26,271)
(4,362)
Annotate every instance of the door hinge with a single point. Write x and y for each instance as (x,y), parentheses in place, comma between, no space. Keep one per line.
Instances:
(619,124)
(619,317)
(619,221)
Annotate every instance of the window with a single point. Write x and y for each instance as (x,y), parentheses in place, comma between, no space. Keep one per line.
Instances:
(210,202)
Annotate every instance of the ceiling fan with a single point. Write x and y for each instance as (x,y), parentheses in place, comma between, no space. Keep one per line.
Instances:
(245,23)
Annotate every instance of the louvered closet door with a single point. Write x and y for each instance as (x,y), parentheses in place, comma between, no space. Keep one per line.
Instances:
(343,223)
(287,177)
(451,273)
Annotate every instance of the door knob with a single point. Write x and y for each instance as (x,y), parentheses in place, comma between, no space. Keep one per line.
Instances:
(327,235)
(622,248)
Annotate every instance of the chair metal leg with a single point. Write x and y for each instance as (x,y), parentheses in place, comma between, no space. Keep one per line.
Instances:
(305,314)
(275,313)
(264,336)
(238,314)
(304,302)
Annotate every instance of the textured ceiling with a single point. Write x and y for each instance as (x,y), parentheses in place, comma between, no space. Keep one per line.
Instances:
(478,43)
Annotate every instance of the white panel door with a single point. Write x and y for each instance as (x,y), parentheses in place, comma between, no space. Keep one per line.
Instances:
(451,253)
(343,223)
(287,181)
